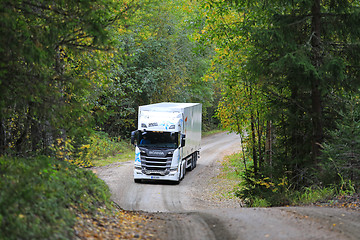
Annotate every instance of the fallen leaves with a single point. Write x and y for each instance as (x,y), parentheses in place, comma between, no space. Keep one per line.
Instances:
(350,202)
(118,224)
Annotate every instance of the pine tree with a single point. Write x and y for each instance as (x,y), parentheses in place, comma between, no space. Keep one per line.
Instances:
(341,153)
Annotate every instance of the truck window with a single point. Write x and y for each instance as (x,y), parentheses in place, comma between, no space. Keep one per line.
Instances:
(159,139)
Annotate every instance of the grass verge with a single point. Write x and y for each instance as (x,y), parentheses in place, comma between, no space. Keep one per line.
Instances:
(211,132)
(127,154)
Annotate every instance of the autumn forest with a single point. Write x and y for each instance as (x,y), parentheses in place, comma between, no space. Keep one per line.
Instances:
(283,75)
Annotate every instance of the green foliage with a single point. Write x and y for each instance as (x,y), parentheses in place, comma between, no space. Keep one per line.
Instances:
(99,147)
(233,166)
(69,67)
(283,80)
(102,147)
(258,189)
(312,195)
(154,61)
(39,197)
(341,152)
(44,81)
(262,191)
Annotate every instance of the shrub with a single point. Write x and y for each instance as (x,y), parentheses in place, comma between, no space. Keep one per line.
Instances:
(99,145)
(39,197)
(259,190)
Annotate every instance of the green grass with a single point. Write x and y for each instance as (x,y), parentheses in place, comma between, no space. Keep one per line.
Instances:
(312,195)
(40,197)
(211,132)
(128,154)
(104,150)
(233,166)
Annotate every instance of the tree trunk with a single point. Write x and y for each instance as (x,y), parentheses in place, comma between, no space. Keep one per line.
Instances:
(253,140)
(2,137)
(268,143)
(259,133)
(239,130)
(315,85)
(243,150)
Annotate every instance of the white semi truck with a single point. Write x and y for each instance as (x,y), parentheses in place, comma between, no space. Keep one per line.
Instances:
(167,141)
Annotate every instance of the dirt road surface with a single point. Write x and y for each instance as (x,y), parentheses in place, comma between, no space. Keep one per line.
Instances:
(190,210)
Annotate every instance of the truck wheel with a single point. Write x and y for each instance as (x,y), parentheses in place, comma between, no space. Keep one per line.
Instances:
(195,159)
(179,178)
(192,165)
(183,170)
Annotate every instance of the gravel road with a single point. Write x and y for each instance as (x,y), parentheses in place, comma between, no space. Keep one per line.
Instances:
(194,209)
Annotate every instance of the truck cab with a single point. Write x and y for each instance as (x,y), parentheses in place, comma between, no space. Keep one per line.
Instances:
(160,150)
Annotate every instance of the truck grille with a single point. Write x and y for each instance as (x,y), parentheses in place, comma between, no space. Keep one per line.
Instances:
(155,165)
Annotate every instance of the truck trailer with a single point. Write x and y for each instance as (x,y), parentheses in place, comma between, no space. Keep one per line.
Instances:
(167,141)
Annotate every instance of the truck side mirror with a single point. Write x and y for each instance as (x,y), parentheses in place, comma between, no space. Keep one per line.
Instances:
(133,134)
(183,140)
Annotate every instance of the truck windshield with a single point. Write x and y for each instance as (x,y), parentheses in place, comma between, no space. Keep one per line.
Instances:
(159,139)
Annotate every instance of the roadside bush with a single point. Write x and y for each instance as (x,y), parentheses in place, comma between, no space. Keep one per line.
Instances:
(99,146)
(40,196)
(261,191)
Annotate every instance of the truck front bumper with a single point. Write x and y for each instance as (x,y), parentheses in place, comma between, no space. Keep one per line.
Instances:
(172,176)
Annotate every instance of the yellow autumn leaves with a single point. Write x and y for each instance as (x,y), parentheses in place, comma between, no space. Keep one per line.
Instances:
(271,185)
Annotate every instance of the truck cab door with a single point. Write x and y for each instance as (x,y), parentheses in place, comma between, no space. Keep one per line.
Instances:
(183,136)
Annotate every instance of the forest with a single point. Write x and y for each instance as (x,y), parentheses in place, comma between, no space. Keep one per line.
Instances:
(284,75)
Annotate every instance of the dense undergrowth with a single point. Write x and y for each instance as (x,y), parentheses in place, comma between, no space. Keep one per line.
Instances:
(40,197)
(104,150)
(261,191)
(99,150)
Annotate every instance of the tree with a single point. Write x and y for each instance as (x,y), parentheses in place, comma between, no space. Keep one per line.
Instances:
(298,56)
(155,61)
(341,155)
(42,42)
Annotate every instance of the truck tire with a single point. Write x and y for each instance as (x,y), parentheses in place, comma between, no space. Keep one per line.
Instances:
(179,178)
(177,181)
(195,159)
(183,172)
(192,165)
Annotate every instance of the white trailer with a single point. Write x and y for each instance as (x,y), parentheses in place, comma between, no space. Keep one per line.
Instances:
(161,151)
